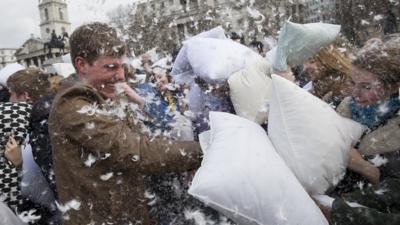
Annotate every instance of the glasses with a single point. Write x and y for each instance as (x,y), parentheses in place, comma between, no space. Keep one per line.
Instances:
(365,85)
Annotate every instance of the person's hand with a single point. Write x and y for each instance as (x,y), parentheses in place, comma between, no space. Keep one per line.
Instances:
(131,94)
(326,211)
(363,167)
(145,58)
(288,74)
(13,152)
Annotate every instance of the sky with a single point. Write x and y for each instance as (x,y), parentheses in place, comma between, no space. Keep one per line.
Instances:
(20,18)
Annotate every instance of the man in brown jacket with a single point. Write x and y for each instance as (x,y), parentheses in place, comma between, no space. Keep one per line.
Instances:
(100,160)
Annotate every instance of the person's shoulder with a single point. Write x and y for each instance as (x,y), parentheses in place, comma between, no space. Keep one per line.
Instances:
(73,98)
(25,106)
(77,90)
(344,108)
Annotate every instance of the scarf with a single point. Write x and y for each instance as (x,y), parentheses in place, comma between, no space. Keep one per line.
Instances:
(377,114)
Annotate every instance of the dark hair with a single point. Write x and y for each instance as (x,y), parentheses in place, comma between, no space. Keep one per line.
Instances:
(382,60)
(95,39)
(235,36)
(258,45)
(4,93)
(32,80)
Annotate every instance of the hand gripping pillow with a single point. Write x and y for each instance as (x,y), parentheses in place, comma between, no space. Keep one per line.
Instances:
(310,136)
(250,91)
(298,42)
(214,60)
(243,177)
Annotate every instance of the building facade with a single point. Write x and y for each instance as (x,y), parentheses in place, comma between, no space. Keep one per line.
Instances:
(321,11)
(364,19)
(7,56)
(178,19)
(53,17)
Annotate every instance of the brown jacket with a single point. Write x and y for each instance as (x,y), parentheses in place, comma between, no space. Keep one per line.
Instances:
(100,161)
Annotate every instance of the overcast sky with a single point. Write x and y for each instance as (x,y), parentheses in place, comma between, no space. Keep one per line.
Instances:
(20,18)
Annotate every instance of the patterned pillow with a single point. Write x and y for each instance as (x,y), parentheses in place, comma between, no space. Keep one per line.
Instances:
(14,120)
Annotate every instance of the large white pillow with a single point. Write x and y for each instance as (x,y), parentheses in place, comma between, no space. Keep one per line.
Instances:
(216,32)
(298,42)
(215,60)
(310,136)
(244,178)
(181,68)
(250,90)
(63,69)
(9,70)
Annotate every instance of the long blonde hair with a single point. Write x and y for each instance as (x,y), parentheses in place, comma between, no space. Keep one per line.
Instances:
(334,67)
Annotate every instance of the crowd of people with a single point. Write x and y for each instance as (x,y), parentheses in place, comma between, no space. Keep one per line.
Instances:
(112,150)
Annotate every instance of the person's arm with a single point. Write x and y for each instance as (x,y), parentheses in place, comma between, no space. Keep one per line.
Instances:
(13,152)
(146,64)
(132,95)
(363,167)
(128,148)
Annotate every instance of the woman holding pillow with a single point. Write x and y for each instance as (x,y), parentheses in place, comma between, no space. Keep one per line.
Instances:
(375,102)
(328,71)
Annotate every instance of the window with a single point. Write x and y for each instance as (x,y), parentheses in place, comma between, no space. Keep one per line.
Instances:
(63,29)
(46,14)
(61,14)
(48,30)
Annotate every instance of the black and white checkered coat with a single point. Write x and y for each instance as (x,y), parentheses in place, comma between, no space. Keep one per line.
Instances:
(14,120)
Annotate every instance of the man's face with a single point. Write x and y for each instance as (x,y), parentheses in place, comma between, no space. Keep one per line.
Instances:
(102,74)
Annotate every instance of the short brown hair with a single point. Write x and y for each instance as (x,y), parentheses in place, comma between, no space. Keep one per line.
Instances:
(382,60)
(93,40)
(32,80)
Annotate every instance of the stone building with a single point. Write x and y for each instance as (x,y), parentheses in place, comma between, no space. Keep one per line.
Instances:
(53,18)
(7,56)
(364,19)
(321,11)
(165,23)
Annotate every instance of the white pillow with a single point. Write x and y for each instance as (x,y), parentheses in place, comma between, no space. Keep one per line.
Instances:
(216,32)
(215,60)
(298,42)
(310,136)
(181,67)
(9,70)
(34,185)
(244,178)
(8,217)
(63,69)
(181,63)
(250,91)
